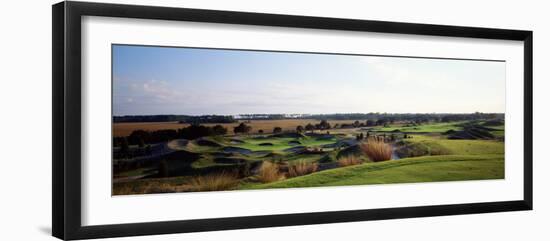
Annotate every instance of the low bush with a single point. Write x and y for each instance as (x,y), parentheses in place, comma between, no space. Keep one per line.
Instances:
(408,149)
(269,172)
(412,150)
(213,182)
(349,161)
(377,150)
(301,168)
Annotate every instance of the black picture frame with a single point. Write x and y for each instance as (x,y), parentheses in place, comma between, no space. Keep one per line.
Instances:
(66,159)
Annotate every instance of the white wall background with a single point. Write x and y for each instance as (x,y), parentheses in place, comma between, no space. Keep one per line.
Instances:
(25,104)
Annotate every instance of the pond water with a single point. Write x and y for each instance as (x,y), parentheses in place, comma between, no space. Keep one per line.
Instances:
(394,155)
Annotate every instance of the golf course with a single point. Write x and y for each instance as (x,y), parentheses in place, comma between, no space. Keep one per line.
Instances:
(305,153)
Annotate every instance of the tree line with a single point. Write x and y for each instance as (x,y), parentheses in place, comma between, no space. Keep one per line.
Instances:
(388,117)
(179,118)
(140,137)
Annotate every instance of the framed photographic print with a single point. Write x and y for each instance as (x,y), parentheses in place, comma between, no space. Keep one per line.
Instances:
(170,120)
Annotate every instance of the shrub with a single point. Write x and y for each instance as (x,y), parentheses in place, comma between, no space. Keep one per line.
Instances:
(412,150)
(420,149)
(163,169)
(277,130)
(349,161)
(242,128)
(377,150)
(219,130)
(269,172)
(302,168)
(213,182)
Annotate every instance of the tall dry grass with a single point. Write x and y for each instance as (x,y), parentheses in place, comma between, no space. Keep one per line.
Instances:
(377,150)
(349,161)
(269,172)
(301,168)
(213,182)
(144,188)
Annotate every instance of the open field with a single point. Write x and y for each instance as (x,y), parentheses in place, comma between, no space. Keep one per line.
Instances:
(315,158)
(125,128)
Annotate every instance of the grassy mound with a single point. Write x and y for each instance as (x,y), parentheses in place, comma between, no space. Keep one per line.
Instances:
(416,149)
(409,170)
(460,147)
(206,142)
(495,122)
(288,135)
(432,128)
(232,149)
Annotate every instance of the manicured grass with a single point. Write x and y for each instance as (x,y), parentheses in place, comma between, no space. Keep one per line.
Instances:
(498,133)
(499,130)
(419,169)
(434,128)
(279,144)
(461,147)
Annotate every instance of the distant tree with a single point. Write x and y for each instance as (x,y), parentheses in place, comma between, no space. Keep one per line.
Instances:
(299,129)
(124,147)
(135,136)
(447,118)
(195,131)
(324,125)
(310,127)
(242,128)
(381,122)
(345,125)
(219,130)
(141,143)
(360,137)
(370,123)
(277,130)
(162,136)
(163,168)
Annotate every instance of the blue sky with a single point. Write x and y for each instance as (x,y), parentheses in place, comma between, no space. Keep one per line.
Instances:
(163,80)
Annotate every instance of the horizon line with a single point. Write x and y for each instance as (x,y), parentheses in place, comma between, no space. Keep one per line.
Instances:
(310,114)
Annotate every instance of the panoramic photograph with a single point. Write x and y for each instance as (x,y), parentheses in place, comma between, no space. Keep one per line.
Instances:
(202,119)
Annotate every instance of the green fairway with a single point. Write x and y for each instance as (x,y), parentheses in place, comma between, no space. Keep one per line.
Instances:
(419,169)
(460,147)
(280,143)
(425,128)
